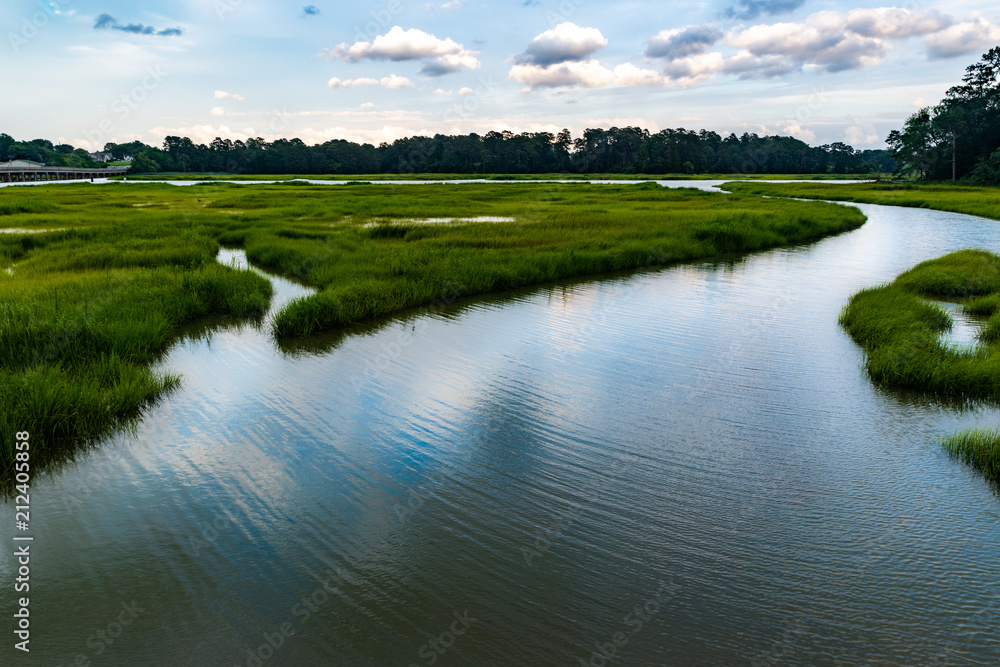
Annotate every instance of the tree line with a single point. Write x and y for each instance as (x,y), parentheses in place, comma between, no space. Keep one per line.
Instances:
(628,150)
(960,137)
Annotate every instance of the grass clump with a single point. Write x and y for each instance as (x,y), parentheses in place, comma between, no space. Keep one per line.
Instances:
(900,333)
(978,448)
(76,346)
(900,330)
(981,201)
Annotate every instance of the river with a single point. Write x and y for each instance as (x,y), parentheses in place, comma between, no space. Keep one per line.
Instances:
(677,467)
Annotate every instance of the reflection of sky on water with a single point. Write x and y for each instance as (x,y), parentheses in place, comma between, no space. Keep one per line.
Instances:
(964,333)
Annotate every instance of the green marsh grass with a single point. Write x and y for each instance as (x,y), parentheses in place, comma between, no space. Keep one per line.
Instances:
(971,200)
(374,257)
(978,448)
(88,309)
(900,330)
(900,333)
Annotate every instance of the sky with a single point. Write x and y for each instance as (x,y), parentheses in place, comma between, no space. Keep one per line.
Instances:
(90,72)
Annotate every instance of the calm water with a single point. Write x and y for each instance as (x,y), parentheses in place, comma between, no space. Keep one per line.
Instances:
(690,461)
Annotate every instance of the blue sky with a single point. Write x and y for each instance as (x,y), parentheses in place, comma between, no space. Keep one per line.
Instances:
(87,72)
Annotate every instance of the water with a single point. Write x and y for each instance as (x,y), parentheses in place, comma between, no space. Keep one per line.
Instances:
(18,230)
(690,461)
(965,328)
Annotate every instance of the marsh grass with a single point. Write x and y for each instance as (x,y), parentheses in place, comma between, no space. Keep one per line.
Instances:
(900,333)
(90,308)
(364,270)
(978,448)
(971,200)
(25,204)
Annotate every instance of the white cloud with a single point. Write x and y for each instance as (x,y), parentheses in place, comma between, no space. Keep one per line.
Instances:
(368,105)
(697,69)
(799,132)
(748,66)
(566,42)
(439,56)
(590,74)
(451,4)
(220,111)
(630,76)
(466,91)
(223,95)
(694,68)
(556,58)
(895,22)
(836,41)
(391,82)
(442,91)
(918,103)
(831,40)
(349,83)
(823,40)
(861,134)
(966,37)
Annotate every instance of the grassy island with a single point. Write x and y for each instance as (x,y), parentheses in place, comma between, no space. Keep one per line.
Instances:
(899,327)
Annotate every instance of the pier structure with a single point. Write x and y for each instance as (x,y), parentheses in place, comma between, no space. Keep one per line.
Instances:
(24,171)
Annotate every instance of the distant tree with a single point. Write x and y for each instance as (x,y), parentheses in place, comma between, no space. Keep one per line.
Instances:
(24,151)
(142,163)
(915,147)
(987,171)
